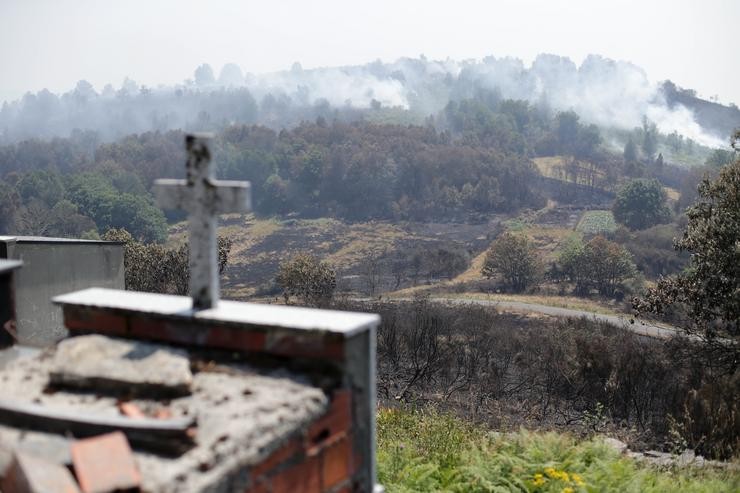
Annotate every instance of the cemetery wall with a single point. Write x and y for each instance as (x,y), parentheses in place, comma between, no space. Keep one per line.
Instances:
(54,266)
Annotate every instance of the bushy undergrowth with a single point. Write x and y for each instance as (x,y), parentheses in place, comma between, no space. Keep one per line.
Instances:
(568,375)
(427,451)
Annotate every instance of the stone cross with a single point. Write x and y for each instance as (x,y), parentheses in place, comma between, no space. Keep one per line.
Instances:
(203,197)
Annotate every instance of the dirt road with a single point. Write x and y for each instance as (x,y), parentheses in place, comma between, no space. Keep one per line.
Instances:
(624,321)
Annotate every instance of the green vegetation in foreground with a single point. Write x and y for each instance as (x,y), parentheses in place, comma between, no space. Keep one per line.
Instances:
(597,222)
(426,451)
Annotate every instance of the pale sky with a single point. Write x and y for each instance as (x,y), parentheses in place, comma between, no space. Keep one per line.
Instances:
(54,43)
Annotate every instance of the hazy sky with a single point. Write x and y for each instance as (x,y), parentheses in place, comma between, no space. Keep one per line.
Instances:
(55,43)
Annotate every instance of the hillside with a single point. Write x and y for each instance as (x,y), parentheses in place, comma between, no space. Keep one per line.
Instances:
(716,118)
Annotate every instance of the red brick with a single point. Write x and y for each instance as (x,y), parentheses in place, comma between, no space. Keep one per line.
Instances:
(105,463)
(232,338)
(308,345)
(87,319)
(336,462)
(337,420)
(152,328)
(304,477)
(28,474)
(287,451)
(260,485)
(237,339)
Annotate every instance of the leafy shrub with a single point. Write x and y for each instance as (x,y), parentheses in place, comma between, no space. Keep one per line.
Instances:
(154,268)
(514,259)
(641,204)
(599,264)
(652,250)
(307,278)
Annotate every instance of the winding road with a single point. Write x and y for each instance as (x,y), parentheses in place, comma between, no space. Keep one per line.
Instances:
(640,327)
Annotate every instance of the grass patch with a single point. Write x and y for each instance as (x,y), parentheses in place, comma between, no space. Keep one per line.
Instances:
(597,222)
(672,194)
(516,225)
(473,272)
(426,451)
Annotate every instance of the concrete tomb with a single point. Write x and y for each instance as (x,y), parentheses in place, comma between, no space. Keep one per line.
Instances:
(165,393)
(53,266)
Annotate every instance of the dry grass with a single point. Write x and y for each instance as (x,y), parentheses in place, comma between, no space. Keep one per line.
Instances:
(569,302)
(672,194)
(249,233)
(548,240)
(473,273)
(363,240)
(550,166)
(554,167)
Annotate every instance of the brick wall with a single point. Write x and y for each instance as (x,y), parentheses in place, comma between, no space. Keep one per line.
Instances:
(320,460)
(336,453)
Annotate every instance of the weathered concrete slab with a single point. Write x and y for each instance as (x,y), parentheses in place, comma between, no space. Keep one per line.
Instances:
(346,324)
(14,352)
(243,414)
(29,474)
(121,366)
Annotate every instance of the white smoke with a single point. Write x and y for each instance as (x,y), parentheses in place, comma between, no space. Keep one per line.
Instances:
(602,91)
(609,93)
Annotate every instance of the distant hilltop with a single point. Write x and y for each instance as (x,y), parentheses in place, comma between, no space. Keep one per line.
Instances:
(714,117)
(609,93)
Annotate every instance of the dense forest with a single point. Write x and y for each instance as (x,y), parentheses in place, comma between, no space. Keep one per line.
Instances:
(471,159)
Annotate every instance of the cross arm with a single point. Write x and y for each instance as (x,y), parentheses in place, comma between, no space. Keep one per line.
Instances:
(171,194)
(231,196)
(223,196)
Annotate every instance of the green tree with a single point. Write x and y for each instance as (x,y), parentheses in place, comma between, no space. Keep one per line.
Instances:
(630,151)
(98,199)
(570,264)
(641,204)
(649,139)
(306,277)
(659,161)
(515,259)
(719,158)
(567,131)
(599,264)
(44,185)
(709,290)
(9,203)
(607,265)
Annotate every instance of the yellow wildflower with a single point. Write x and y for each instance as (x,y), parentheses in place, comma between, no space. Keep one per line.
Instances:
(539,481)
(577,479)
(551,472)
(568,489)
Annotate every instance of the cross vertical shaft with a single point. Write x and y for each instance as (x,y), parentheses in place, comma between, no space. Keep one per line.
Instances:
(203,261)
(203,198)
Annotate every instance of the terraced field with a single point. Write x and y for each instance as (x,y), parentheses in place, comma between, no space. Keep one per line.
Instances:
(597,222)
(260,244)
